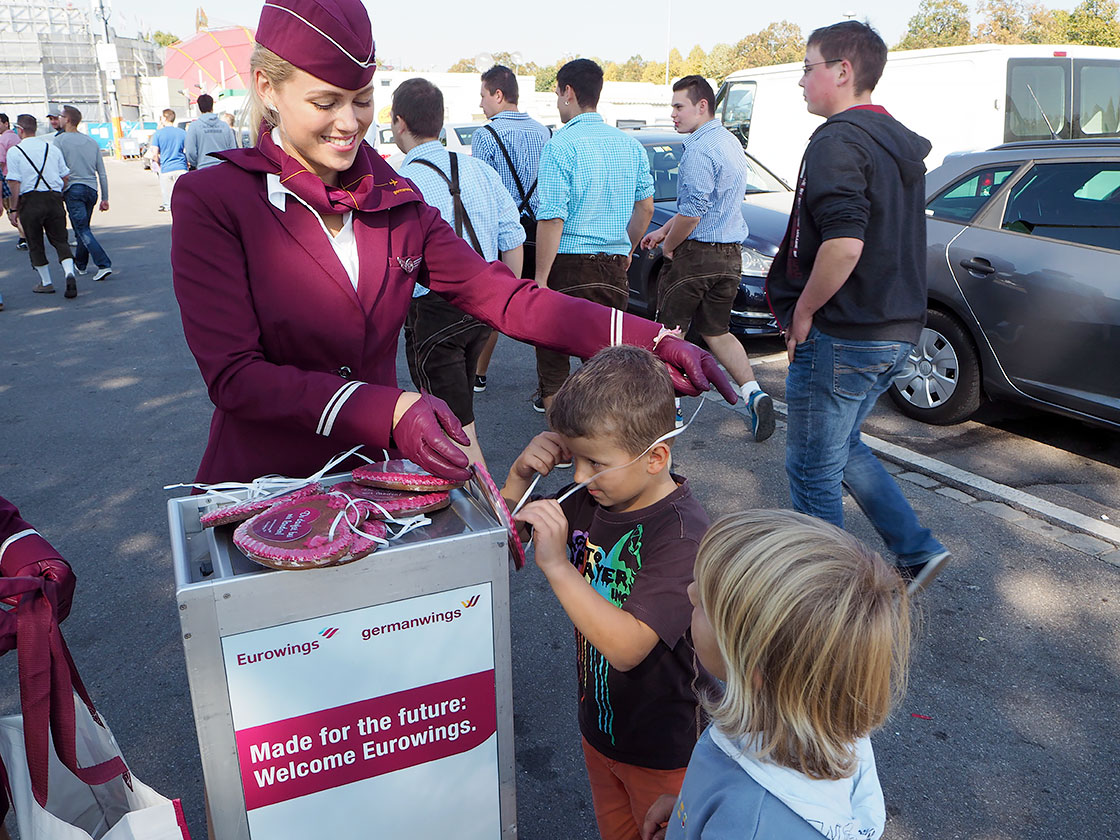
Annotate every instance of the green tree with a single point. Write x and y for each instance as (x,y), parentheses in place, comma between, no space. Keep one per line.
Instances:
(1001,22)
(632,70)
(1093,22)
(778,43)
(463,65)
(164,39)
(695,61)
(612,72)
(1047,26)
(676,64)
(938,23)
(546,77)
(719,63)
(654,73)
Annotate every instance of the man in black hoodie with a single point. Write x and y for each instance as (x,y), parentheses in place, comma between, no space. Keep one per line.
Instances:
(848,287)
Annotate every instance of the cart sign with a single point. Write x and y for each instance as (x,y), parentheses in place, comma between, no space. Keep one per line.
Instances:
(380,721)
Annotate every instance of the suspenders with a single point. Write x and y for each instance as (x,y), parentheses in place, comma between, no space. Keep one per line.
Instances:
(524,209)
(461,217)
(40,177)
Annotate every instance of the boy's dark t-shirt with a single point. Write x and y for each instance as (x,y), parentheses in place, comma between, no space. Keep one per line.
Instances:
(641,561)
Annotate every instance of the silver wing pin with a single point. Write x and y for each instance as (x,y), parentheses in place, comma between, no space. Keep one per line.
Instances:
(409,264)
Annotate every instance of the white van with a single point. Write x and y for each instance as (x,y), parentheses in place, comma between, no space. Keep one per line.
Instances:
(960,98)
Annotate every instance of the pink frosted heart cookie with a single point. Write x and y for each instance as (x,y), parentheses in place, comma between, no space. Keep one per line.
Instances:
(393,503)
(297,534)
(401,475)
(373,531)
(239,512)
(485,487)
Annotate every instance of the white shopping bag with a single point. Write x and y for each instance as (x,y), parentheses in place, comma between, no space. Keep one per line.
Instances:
(120,809)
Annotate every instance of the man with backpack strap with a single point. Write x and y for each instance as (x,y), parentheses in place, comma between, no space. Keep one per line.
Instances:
(511,143)
(443,343)
(37,175)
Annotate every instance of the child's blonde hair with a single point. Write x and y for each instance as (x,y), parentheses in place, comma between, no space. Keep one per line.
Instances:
(814,631)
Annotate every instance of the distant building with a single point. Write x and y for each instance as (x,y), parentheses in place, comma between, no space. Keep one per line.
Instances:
(48,56)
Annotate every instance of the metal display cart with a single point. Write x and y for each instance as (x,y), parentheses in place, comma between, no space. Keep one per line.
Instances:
(372,699)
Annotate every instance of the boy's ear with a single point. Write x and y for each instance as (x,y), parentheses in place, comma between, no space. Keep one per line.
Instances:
(659,458)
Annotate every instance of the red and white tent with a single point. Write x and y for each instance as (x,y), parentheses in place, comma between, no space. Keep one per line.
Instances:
(211,60)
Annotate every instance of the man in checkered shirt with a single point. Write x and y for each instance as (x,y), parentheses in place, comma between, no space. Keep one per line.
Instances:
(596,200)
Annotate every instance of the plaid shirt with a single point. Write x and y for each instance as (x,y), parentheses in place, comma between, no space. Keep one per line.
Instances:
(524,138)
(711,183)
(591,175)
(489,206)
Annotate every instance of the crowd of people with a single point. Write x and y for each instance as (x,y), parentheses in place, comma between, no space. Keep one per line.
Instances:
(49,177)
(730,674)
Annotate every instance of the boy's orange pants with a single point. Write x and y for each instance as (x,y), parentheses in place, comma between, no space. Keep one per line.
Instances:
(622,793)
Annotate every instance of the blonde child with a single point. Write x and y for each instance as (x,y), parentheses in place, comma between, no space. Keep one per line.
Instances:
(810,631)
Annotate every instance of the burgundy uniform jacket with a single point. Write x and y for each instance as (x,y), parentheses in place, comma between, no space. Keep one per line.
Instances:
(298,365)
(23,552)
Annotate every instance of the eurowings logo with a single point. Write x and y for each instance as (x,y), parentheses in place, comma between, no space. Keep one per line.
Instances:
(327,632)
(470,603)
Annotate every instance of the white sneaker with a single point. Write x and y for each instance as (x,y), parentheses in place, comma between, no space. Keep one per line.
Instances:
(102,273)
(81,271)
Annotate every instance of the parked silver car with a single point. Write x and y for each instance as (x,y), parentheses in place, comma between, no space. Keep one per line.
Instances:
(1024,284)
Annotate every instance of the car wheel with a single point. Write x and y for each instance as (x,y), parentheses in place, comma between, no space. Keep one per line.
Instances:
(941,381)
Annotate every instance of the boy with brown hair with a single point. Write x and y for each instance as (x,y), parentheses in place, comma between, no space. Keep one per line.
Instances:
(619,553)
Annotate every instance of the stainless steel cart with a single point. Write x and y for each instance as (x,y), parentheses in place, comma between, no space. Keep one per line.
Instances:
(372,699)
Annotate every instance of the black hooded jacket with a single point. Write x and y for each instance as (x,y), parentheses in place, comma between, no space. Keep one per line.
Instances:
(862,177)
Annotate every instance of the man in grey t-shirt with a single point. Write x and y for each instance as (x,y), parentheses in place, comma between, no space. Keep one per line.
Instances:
(209,133)
(87,168)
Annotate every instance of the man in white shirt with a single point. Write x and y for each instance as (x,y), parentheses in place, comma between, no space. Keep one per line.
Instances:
(37,175)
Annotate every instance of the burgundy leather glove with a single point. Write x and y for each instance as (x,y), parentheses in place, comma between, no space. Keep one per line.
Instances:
(693,370)
(423,433)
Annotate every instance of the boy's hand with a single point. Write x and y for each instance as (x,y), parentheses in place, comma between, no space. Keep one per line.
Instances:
(550,532)
(542,455)
(657,816)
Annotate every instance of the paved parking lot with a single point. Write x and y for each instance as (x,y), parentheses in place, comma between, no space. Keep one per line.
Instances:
(1007,730)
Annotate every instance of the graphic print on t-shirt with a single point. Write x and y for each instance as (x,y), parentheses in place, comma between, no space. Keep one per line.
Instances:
(611,574)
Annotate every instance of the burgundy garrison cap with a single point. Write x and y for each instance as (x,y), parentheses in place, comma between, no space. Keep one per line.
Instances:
(330,39)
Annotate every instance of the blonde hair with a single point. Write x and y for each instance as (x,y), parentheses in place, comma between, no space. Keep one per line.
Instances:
(814,630)
(277,70)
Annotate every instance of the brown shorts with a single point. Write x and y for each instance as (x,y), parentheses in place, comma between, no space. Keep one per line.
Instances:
(596,277)
(442,345)
(699,285)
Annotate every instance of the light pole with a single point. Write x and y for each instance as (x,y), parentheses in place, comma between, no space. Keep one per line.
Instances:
(668,30)
(104,14)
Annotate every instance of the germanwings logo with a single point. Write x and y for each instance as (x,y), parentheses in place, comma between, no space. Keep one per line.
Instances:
(327,632)
(470,603)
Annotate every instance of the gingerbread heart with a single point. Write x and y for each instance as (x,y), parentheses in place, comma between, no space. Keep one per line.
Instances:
(240,511)
(297,534)
(401,475)
(485,487)
(388,504)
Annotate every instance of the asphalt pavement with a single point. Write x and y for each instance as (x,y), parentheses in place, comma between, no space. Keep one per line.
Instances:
(1007,730)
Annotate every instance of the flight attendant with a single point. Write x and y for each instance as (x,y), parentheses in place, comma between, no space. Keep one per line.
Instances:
(294,263)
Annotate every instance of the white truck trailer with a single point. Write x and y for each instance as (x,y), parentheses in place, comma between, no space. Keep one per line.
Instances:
(960,98)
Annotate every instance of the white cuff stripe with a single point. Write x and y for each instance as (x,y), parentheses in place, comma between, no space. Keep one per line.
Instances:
(13,538)
(616,327)
(334,405)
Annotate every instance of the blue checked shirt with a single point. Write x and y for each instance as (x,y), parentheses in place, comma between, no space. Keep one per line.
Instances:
(489,205)
(591,175)
(524,138)
(711,183)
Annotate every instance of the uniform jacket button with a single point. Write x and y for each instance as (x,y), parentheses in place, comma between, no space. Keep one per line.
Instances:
(345,372)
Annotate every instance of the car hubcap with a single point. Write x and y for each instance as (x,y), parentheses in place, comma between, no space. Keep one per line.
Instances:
(931,373)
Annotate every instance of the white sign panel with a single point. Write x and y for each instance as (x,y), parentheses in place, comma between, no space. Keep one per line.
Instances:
(381,719)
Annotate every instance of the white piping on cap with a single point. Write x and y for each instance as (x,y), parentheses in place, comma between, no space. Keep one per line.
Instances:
(369,62)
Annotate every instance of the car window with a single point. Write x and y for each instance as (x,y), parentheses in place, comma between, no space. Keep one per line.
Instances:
(465,133)
(1075,202)
(1099,102)
(664,160)
(961,201)
(386,136)
(759,180)
(1037,93)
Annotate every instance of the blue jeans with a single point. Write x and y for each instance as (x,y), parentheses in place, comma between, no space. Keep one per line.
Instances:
(831,387)
(80,201)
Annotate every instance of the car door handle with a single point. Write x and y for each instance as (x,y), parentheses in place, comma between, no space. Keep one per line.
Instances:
(978,265)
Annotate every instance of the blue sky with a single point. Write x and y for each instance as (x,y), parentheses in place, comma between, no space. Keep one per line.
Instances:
(433,34)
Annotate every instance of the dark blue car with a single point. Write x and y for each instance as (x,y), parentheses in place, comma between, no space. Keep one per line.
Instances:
(766,209)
